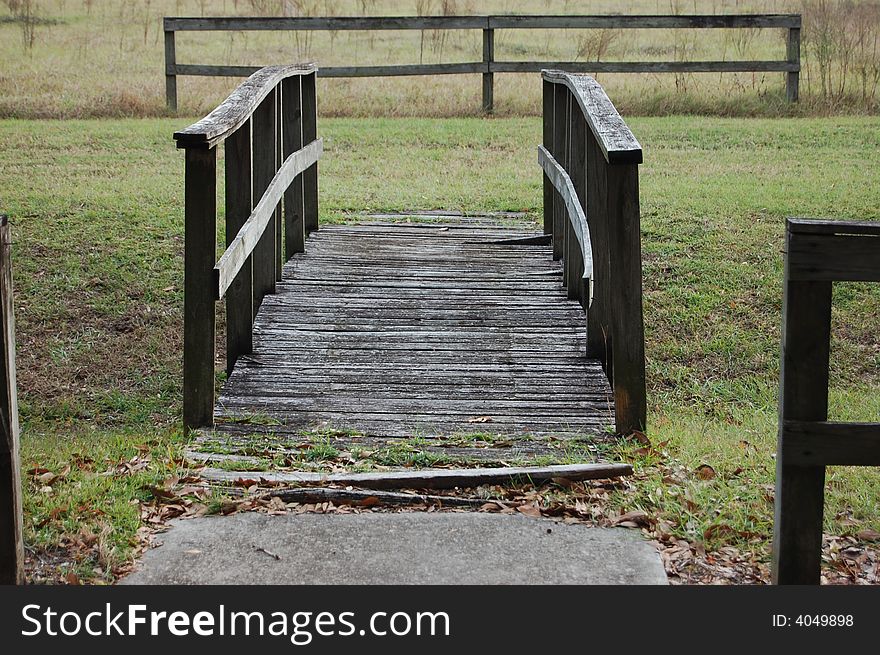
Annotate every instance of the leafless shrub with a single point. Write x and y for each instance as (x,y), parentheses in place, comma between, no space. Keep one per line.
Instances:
(26,14)
(593,45)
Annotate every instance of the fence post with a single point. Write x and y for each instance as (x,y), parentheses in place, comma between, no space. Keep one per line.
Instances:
(292,140)
(239,203)
(803,396)
(793,55)
(627,322)
(200,244)
(264,162)
(488,75)
(11,545)
(549,190)
(310,133)
(170,71)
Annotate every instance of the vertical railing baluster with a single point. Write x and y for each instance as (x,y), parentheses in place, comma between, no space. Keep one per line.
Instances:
(598,320)
(200,243)
(628,344)
(294,234)
(279,223)
(264,159)
(560,127)
(570,239)
(239,204)
(577,173)
(549,189)
(310,133)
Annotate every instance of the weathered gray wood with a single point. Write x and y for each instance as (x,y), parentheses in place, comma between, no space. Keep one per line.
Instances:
(280,259)
(834,257)
(612,134)
(437,478)
(645,66)
(310,134)
(793,54)
(806,334)
(560,131)
(200,245)
(170,72)
(238,107)
(488,75)
(369,498)
(243,23)
(808,443)
(260,233)
(582,256)
(294,229)
(259,229)
(239,203)
(627,322)
(614,22)
(813,226)
(11,543)
(548,113)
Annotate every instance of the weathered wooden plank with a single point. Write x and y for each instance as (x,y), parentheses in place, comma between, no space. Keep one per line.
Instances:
(170,72)
(614,22)
(247,23)
(310,134)
(239,203)
(11,543)
(437,478)
(200,229)
(238,107)
(612,134)
(371,498)
(814,226)
(292,142)
(750,66)
(809,443)
(834,257)
(259,226)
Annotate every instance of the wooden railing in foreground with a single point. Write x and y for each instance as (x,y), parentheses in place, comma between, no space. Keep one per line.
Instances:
(591,208)
(818,253)
(11,546)
(790,66)
(269,127)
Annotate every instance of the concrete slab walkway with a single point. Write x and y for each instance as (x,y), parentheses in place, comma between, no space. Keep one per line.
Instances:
(398,548)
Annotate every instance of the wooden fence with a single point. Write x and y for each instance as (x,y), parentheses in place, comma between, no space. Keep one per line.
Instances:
(591,208)
(11,548)
(269,126)
(818,253)
(488,66)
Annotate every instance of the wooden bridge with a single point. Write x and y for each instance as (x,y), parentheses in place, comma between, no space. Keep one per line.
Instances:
(385,331)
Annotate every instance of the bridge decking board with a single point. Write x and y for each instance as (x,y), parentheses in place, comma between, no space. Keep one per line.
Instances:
(383,332)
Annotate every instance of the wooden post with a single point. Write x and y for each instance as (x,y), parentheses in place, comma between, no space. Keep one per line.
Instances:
(279,219)
(806,336)
(264,162)
(309,134)
(568,244)
(170,72)
(560,129)
(598,316)
(294,234)
(793,55)
(578,175)
(200,244)
(549,191)
(627,323)
(239,203)
(488,75)
(11,545)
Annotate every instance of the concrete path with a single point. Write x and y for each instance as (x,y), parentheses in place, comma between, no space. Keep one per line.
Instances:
(402,548)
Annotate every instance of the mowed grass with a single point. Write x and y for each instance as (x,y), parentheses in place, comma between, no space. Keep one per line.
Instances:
(97,210)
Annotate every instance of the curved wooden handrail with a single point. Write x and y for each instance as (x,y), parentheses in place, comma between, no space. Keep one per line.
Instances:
(576,216)
(614,137)
(238,107)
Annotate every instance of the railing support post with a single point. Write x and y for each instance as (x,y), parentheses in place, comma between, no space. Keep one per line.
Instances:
(577,173)
(292,137)
(549,190)
(264,168)
(793,52)
(560,130)
(11,545)
(239,203)
(309,134)
(170,72)
(200,243)
(488,75)
(598,316)
(628,344)
(806,336)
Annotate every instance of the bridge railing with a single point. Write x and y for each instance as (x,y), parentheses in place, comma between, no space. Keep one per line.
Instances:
(488,66)
(817,254)
(591,208)
(268,127)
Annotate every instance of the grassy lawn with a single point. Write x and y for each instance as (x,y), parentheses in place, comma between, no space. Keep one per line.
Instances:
(97,208)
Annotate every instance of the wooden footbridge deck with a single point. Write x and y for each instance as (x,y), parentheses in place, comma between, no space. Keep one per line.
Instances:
(458,333)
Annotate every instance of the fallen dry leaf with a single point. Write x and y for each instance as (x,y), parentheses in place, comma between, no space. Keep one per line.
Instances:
(706,472)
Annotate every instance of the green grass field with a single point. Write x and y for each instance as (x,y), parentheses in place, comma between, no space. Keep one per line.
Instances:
(97,210)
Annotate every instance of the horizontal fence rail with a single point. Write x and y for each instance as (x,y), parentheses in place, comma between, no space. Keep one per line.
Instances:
(818,253)
(590,160)
(268,127)
(488,66)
